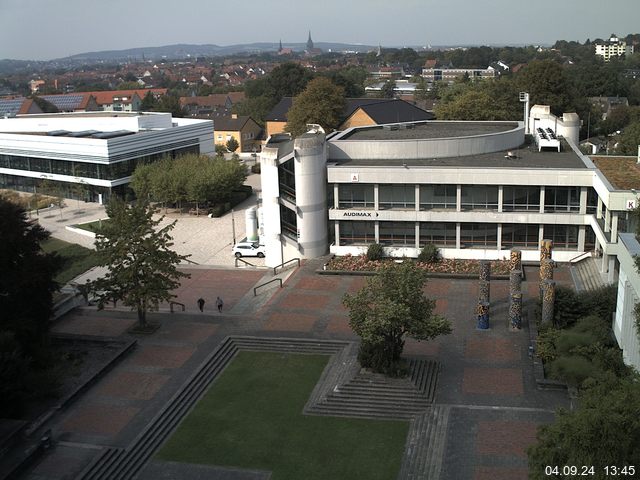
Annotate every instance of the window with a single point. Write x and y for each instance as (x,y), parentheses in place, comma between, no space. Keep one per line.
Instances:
(287,179)
(397,196)
(592,201)
(478,235)
(520,235)
(479,197)
(520,199)
(438,197)
(565,237)
(288,223)
(402,234)
(438,233)
(562,199)
(355,196)
(357,233)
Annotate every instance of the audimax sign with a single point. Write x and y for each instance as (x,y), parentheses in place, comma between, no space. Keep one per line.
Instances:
(360,214)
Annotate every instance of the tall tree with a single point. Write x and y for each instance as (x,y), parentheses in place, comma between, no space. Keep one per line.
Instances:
(547,84)
(603,431)
(388,89)
(142,268)
(322,102)
(390,308)
(629,140)
(26,290)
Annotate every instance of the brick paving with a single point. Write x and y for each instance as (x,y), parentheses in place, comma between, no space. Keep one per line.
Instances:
(486,377)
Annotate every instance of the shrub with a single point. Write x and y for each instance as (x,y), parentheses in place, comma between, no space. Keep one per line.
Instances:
(374,357)
(217,211)
(574,369)
(375,251)
(570,306)
(429,254)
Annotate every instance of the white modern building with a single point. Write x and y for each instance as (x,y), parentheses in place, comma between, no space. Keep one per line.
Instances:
(474,189)
(614,47)
(98,150)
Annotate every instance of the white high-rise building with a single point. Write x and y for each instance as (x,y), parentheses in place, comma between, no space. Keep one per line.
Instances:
(614,47)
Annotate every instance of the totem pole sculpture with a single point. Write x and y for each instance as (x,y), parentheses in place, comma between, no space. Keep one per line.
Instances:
(484,296)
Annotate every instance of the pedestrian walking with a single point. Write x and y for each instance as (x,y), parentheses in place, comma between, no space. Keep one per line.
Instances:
(219,303)
(201,304)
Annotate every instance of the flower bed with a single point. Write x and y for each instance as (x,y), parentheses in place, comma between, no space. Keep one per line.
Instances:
(360,263)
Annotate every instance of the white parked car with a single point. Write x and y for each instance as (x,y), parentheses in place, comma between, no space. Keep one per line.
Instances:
(248,249)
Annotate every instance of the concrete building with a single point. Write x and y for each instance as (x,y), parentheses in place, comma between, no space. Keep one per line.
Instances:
(98,151)
(614,47)
(449,75)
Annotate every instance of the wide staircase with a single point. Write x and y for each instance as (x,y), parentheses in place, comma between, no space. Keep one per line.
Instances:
(586,275)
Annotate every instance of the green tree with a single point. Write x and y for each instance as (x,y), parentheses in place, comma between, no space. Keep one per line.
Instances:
(604,430)
(547,84)
(391,307)
(26,292)
(322,102)
(232,144)
(142,268)
(629,140)
(388,89)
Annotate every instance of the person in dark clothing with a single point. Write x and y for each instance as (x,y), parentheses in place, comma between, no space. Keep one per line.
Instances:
(201,304)
(219,304)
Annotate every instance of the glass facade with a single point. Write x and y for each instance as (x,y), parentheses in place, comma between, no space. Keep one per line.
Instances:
(562,199)
(479,197)
(397,196)
(357,233)
(355,196)
(565,237)
(103,171)
(442,234)
(287,180)
(520,199)
(478,235)
(288,223)
(438,197)
(520,235)
(401,234)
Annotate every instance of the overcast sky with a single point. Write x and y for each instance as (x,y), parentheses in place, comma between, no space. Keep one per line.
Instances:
(47,29)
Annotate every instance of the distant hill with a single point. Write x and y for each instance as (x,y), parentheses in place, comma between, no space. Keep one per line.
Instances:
(187,50)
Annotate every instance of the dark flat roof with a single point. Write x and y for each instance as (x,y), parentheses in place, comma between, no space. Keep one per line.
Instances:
(527,156)
(429,130)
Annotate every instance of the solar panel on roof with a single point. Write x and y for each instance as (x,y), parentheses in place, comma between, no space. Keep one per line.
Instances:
(64,103)
(10,106)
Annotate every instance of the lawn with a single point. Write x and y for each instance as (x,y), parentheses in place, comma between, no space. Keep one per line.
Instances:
(252,418)
(75,259)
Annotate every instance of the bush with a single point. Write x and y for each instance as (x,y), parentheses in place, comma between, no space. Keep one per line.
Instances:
(429,254)
(374,357)
(570,306)
(217,211)
(375,251)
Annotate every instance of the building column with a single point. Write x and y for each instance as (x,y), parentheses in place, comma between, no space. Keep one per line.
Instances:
(417,230)
(541,203)
(376,231)
(500,199)
(540,235)
(607,221)
(581,237)
(612,269)
(499,239)
(458,235)
(614,226)
(375,198)
(599,208)
(417,194)
(336,200)
(604,263)
(583,200)
(458,198)
(336,227)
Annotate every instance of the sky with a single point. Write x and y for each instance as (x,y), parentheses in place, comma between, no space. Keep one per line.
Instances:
(49,29)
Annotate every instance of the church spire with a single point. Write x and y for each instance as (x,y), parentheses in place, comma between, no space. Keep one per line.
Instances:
(309,43)
(280,49)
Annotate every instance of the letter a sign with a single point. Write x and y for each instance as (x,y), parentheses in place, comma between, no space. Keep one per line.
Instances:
(355,177)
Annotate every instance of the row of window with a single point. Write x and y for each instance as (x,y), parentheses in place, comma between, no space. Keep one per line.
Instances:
(443,234)
(111,171)
(473,197)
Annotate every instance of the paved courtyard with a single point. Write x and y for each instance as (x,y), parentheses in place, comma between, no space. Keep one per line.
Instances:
(486,377)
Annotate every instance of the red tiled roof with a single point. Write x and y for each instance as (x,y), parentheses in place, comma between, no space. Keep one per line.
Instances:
(106,97)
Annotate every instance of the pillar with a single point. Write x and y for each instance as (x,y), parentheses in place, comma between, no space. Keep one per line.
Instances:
(515,310)
(548,301)
(545,248)
(484,282)
(482,316)
(546,269)
(515,281)
(515,259)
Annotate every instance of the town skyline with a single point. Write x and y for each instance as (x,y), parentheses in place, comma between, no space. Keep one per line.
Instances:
(74,27)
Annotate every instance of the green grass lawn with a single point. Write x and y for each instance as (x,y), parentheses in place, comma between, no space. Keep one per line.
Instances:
(76,259)
(252,418)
